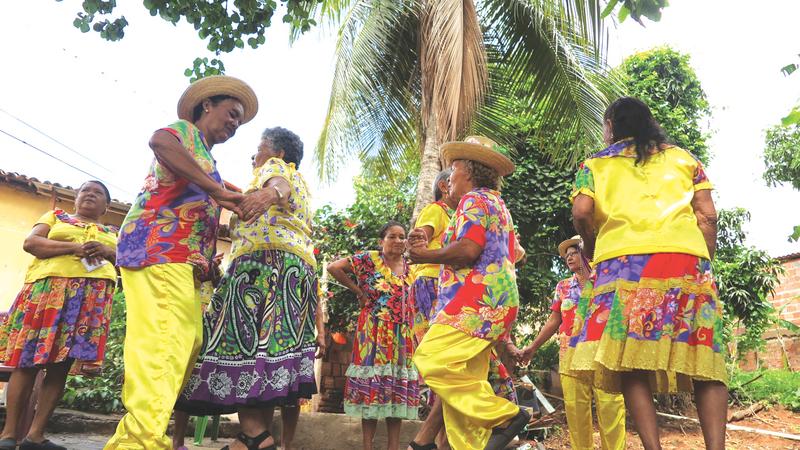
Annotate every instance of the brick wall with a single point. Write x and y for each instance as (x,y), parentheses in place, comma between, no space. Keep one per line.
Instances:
(782,348)
(332,376)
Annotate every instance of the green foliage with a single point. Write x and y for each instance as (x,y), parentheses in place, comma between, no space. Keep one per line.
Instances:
(781,156)
(204,68)
(339,234)
(774,386)
(746,277)
(664,79)
(102,393)
(225,26)
(547,357)
(635,9)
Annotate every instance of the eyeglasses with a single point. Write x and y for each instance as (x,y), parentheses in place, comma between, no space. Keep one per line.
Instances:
(567,255)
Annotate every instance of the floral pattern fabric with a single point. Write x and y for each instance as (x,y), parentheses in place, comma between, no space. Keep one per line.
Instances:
(287,229)
(173,220)
(54,319)
(657,312)
(382,380)
(481,300)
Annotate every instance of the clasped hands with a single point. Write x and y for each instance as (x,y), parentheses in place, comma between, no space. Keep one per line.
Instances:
(417,246)
(249,207)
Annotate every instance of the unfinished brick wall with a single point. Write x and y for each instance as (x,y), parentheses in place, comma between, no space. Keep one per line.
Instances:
(783,348)
(332,376)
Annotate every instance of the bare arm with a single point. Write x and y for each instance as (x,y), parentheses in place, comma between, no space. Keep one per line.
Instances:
(341,271)
(548,330)
(274,192)
(706,213)
(38,245)
(583,221)
(169,151)
(461,253)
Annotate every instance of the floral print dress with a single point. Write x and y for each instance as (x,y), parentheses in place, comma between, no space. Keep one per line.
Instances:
(382,381)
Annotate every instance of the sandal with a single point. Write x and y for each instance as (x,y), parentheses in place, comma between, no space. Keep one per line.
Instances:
(415,446)
(252,443)
(46,444)
(501,437)
(8,444)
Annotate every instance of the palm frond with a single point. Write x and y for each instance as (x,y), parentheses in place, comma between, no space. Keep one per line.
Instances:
(551,56)
(374,103)
(453,65)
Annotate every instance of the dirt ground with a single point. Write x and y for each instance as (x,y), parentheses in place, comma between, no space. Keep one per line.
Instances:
(686,435)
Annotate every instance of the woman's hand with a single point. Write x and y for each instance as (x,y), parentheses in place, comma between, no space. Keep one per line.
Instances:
(417,238)
(513,351)
(362,299)
(95,252)
(322,344)
(228,199)
(256,203)
(526,355)
(418,254)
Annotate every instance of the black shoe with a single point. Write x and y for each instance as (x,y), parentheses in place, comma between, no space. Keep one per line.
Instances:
(501,437)
(415,446)
(8,444)
(44,445)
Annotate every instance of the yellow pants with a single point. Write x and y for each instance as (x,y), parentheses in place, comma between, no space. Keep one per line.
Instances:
(455,366)
(164,334)
(610,415)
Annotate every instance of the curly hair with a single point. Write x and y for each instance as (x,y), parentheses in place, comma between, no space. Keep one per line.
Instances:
(483,176)
(631,118)
(282,139)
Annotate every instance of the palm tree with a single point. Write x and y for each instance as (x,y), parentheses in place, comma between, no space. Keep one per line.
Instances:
(411,74)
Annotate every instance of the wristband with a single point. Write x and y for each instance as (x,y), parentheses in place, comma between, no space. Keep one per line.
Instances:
(277,191)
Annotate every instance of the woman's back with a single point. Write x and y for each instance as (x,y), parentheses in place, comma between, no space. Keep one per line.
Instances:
(643,208)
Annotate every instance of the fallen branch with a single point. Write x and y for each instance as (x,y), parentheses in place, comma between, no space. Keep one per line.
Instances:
(747,412)
(750,381)
(733,427)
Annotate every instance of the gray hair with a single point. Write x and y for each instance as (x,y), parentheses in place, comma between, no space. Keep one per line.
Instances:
(443,176)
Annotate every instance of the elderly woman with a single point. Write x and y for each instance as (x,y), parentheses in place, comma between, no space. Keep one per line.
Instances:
(166,245)
(381,381)
(62,313)
(652,322)
(577,394)
(478,299)
(259,341)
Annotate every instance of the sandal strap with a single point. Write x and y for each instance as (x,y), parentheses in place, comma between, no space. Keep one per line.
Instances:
(252,443)
(415,446)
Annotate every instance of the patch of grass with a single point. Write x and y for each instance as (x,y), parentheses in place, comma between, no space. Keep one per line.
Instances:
(774,386)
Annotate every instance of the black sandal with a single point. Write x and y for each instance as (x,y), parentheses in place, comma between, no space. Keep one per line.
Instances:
(252,443)
(501,437)
(415,446)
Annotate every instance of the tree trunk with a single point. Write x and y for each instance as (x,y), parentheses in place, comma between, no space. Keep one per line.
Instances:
(429,167)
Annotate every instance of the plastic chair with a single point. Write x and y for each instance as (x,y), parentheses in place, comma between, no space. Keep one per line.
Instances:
(200,425)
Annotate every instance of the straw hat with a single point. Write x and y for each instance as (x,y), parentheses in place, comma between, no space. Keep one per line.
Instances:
(571,242)
(480,149)
(217,85)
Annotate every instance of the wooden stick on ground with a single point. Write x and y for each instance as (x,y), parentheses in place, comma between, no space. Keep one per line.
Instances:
(747,412)
(733,427)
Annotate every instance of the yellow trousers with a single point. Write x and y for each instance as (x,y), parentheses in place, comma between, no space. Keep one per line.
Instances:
(455,366)
(164,333)
(610,415)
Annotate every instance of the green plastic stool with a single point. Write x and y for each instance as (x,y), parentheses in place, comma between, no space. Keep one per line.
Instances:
(200,424)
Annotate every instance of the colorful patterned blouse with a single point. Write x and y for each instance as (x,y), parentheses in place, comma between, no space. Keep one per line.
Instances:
(289,229)
(386,292)
(436,215)
(645,208)
(68,229)
(172,220)
(481,300)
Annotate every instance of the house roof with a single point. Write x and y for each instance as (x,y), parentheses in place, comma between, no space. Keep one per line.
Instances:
(789,257)
(34,185)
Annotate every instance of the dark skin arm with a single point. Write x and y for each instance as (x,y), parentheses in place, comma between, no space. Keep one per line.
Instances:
(461,253)
(256,203)
(583,221)
(169,152)
(706,213)
(548,330)
(38,245)
(341,271)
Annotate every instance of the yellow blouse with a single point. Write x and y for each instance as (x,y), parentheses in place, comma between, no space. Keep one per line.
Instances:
(437,216)
(287,229)
(645,208)
(67,229)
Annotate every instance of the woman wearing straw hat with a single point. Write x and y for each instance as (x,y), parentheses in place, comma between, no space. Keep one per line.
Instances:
(478,300)
(653,321)
(166,246)
(577,394)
